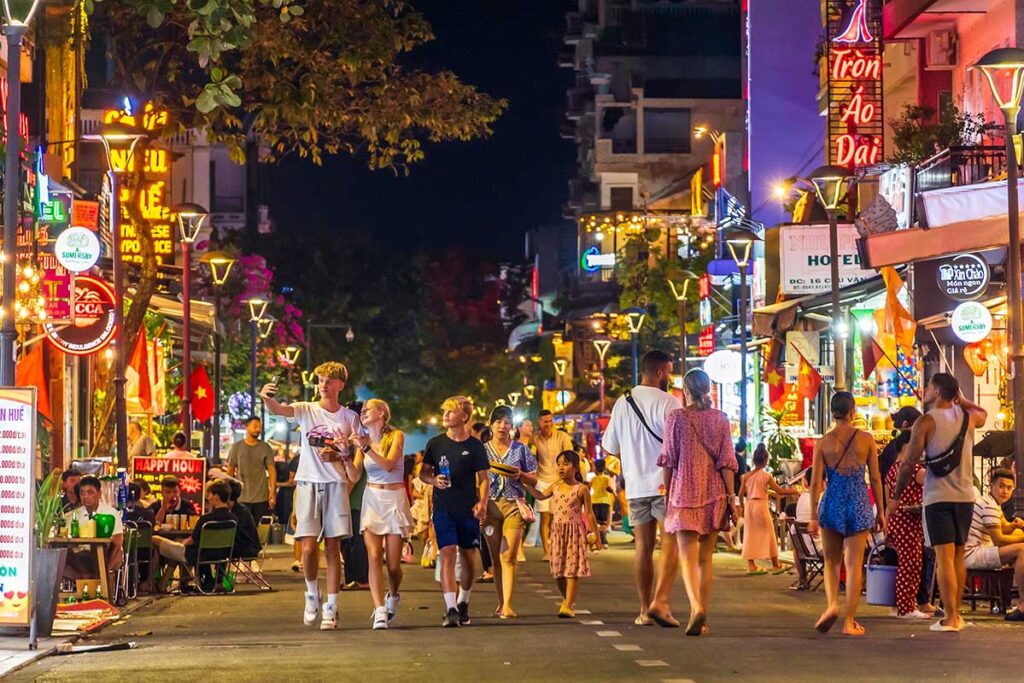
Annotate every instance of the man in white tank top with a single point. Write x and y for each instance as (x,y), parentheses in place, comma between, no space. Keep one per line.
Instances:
(948,499)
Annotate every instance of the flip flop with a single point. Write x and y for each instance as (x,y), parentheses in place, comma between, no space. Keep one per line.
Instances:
(642,620)
(696,625)
(777,572)
(757,572)
(663,620)
(939,627)
(566,613)
(826,623)
(854,633)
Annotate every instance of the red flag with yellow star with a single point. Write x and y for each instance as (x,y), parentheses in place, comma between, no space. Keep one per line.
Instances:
(808,381)
(775,374)
(202,395)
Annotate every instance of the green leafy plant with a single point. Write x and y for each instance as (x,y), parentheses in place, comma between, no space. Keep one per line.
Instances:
(918,134)
(48,507)
(781,444)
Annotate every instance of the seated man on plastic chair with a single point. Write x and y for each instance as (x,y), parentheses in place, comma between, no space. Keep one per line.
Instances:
(218,494)
(993,541)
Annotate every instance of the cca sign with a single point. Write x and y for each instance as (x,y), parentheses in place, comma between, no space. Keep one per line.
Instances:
(94,325)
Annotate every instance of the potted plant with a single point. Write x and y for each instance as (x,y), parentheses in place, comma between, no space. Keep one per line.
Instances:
(782,446)
(48,564)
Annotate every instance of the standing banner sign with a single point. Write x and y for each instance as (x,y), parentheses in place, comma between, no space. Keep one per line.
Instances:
(17,504)
(191,473)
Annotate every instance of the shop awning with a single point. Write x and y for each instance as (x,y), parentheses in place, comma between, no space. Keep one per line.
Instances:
(953,220)
(783,316)
(934,322)
(583,405)
(202,311)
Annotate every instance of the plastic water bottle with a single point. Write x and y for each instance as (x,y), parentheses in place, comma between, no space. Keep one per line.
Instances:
(443,470)
(122,488)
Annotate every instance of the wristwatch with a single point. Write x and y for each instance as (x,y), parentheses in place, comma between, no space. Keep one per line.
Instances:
(364,449)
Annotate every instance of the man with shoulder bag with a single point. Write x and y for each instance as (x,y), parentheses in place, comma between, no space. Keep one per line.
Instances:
(635,433)
(944,436)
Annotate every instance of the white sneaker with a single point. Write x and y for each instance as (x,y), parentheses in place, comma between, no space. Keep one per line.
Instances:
(391,605)
(329,621)
(312,610)
(380,619)
(916,614)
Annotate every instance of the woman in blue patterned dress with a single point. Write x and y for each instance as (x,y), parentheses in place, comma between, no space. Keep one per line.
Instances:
(845,515)
(503,529)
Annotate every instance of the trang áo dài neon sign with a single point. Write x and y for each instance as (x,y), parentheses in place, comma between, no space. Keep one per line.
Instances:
(854,82)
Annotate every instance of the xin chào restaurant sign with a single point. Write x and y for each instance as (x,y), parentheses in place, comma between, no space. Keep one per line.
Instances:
(963,277)
(805,263)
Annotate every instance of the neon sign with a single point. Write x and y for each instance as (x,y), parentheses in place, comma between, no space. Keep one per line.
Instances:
(593,260)
(152,196)
(854,82)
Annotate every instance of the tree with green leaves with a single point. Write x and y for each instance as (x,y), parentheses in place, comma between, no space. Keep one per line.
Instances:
(284,77)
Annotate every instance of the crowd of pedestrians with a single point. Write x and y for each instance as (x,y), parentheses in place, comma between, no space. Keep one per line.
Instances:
(671,469)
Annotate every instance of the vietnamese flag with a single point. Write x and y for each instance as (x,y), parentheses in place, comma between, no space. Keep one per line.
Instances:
(808,381)
(139,363)
(775,374)
(870,353)
(31,372)
(202,395)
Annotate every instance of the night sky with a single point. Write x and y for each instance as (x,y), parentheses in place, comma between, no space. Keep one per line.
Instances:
(483,194)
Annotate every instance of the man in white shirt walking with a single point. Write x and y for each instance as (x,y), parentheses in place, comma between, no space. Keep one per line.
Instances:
(320,502)
(635,433)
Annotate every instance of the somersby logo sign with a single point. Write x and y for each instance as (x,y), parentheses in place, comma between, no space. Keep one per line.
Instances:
(77,249)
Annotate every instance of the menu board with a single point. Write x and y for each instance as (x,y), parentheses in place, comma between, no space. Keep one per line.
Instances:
(17,498)
(190,472)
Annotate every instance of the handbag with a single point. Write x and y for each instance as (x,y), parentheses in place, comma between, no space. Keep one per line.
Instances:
(527,513)
(948,460)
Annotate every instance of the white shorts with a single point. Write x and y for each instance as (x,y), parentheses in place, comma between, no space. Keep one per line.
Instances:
(321,510)
(385,511)
(544,505)
(983,557)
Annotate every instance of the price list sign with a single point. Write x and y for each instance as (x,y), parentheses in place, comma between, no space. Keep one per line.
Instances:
(17,487)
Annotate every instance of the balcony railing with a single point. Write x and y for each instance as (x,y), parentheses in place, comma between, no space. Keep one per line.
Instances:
(963,165)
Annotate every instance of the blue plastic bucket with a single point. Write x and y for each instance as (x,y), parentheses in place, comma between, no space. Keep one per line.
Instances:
(881,584)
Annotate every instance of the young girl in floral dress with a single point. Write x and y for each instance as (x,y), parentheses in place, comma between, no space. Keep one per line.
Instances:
(569,535)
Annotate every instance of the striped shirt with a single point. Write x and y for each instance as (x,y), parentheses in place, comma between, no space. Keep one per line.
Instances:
(987,513)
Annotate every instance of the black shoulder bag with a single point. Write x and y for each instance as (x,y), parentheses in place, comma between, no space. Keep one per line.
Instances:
(636,409)
(948,460)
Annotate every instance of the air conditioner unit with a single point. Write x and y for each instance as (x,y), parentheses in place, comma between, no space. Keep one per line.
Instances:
(941,50)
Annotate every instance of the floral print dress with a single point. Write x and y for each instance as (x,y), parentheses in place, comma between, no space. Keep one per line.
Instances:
(568,533)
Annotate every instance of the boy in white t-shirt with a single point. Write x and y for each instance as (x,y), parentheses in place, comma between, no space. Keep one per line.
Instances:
(320,502)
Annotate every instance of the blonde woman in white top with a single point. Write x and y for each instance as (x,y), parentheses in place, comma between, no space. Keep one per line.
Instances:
(385,518)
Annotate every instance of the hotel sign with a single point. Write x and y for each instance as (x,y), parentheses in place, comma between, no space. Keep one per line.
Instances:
(854,82)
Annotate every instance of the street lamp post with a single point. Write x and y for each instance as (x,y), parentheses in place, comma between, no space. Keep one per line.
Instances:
(190,221)
(830,184)
(561,365)
(257,309)
(602,349)
(679,292)
(635,319)
(1009,63)
(14,30)
(220,264)
(113,133)
(739,247)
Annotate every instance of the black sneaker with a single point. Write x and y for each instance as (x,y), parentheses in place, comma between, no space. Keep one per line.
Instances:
(451,619)
(1015,615)
(463,614)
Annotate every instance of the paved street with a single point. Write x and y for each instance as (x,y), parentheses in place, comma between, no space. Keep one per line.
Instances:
(760,630)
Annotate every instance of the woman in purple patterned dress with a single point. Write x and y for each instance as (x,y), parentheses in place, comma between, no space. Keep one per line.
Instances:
(699,491)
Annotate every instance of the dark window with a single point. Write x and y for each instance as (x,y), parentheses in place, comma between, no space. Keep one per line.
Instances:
(622,198)
(666,131)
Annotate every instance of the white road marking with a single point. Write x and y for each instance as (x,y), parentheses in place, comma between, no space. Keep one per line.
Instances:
(627,648)
(651,662)
(582,611)
(609,634)
(591,622)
